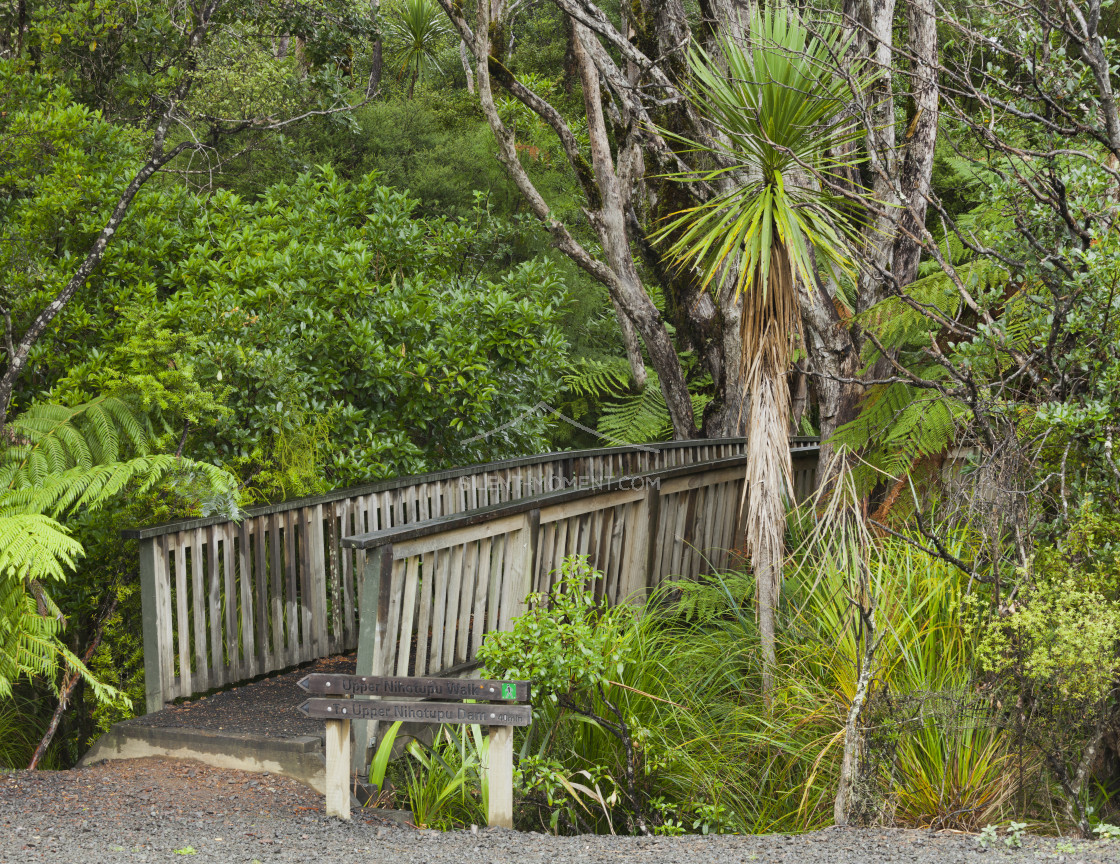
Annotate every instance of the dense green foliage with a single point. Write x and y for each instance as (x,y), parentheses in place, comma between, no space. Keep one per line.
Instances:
(325,309)
(335,281)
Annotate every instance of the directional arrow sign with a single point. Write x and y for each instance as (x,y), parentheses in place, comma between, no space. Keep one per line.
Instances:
(425,688)
(418,712)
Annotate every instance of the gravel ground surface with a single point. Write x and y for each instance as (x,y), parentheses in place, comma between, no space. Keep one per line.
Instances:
(264,707)
(151,810)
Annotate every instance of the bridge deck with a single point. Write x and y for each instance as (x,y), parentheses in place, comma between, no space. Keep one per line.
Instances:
(252,727)
(265,707)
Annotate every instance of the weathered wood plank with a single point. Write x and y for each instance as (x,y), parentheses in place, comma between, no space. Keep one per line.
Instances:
(333,514)
(729,506)
(393,619)
(439,610)
(198,601)
(336,747)
(545,558)
(454,537)
(632,569)
(481,591)
(667,521)
(291,596)
(317,549)
(307,592)
(346,560)
(500,800)
(152,562)
(682,500)
(213,568)
(249,667)
(225,548)
(522,556)
(614,553)
(424,616)
(182,631)
(276,577)
(583,533)
(589,505)
(378,571)
(466,602)
(451,621)
(263,604)
(408,612)
(560,552)
(694,480)
(497,578)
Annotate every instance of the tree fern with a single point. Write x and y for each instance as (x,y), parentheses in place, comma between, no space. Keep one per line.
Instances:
(57,460)
(644,416)
(30,647)
(91,487)
(901,424)
(49,439)
(597,378)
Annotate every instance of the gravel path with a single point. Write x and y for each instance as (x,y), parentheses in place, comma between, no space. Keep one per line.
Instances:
(151,810)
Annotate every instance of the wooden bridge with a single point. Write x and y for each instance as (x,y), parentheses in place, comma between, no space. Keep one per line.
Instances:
(414,572)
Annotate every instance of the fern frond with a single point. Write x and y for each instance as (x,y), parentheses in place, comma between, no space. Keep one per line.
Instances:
(28,641)
(30,646)
(702,601)
(49,439)
(33,549)
(899,425)
(92,488)
(644,416)
(33,546)
(597,378)
(56,460)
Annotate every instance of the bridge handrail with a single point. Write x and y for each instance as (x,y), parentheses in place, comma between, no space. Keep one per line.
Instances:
(433,590)
(225,601)
(416,530)
(799,442)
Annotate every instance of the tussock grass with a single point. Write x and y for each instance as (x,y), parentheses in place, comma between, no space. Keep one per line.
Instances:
(695,693)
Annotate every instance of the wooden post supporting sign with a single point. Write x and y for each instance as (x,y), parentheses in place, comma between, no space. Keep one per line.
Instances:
(337,747)
(501,777)
(500,715)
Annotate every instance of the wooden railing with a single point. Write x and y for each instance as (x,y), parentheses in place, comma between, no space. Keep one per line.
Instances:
(433,590)
(226,601)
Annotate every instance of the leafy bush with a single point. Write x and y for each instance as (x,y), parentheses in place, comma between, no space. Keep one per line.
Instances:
(680,680)
(348,339)
(1052,657)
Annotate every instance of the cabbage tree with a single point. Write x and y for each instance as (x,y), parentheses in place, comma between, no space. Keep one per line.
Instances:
(777,108)
(416,28)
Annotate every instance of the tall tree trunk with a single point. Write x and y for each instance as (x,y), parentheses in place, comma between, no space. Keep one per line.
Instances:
(377,63)
(769,316)
(376,59)
(916,172)
(464,58)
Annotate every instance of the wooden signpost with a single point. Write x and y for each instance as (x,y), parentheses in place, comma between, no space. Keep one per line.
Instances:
(371,705)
